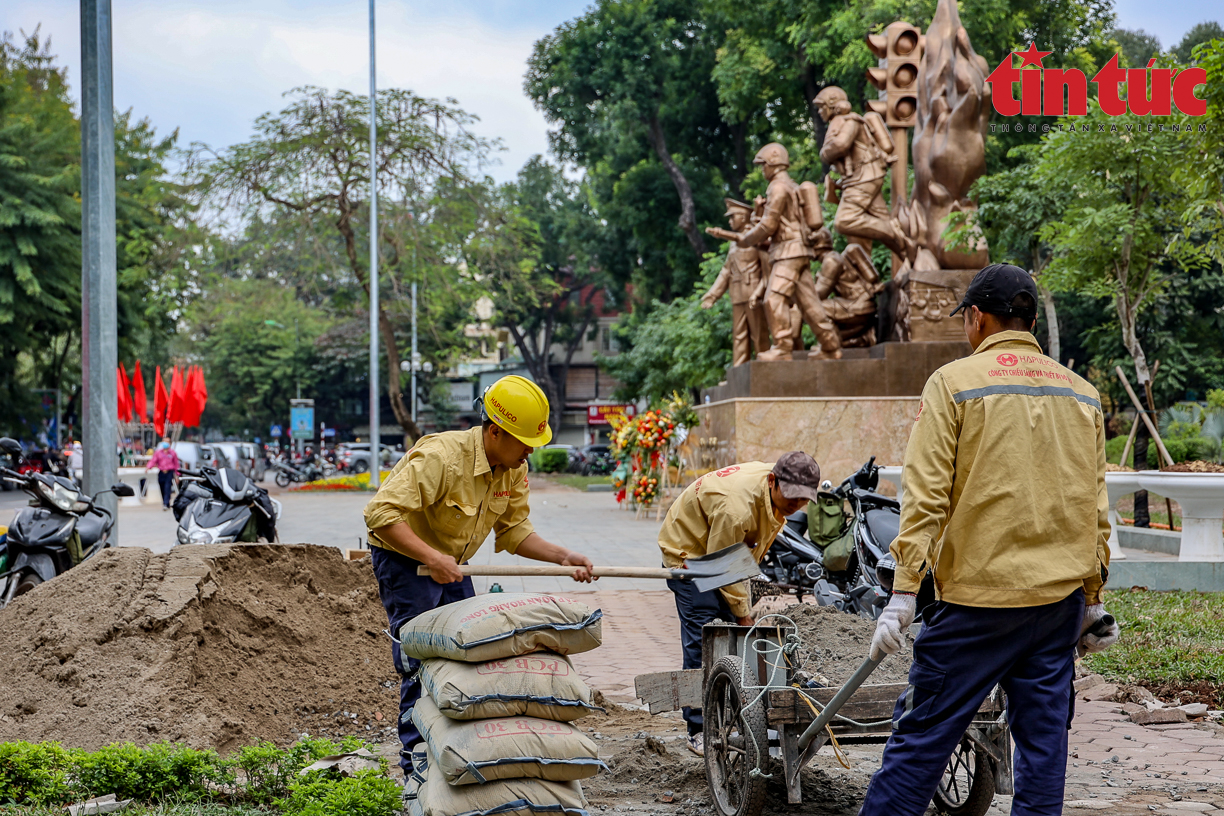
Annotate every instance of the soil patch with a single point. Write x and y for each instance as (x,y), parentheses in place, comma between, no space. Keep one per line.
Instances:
(835,644)
(214,646)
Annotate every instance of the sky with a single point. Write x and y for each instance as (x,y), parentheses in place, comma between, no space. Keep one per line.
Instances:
(210,67)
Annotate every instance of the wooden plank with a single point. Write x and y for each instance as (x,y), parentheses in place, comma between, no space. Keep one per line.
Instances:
(788,736)
(355,555)
(670,691)
(869,704)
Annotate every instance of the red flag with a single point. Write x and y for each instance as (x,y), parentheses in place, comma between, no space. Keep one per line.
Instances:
(192,408)
(160,400)
(201,394)
(125,401)
(140,404)
(175,412)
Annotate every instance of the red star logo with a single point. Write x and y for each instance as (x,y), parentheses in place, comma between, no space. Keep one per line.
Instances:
(1031,56)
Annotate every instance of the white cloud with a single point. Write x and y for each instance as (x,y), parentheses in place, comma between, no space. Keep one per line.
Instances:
(210,69)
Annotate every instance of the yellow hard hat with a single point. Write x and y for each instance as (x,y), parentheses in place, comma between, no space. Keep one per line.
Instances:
(520,407)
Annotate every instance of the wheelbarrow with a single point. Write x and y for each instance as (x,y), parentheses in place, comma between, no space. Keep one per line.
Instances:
(759,724)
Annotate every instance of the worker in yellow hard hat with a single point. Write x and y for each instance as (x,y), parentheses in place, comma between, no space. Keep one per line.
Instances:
(439,504)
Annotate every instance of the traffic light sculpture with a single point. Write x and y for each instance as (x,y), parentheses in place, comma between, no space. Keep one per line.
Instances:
(899,49)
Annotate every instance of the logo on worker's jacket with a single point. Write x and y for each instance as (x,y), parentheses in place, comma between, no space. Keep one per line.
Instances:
(1045,91)
(727,471)
(919,415)
(500,494)
(1007,360)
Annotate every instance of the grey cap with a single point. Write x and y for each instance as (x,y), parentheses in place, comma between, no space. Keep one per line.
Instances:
(798,476)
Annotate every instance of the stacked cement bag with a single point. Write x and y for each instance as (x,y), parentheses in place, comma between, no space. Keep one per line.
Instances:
(499,694)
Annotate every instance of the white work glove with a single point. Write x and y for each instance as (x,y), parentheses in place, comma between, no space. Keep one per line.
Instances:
(1090,643)
(891,627)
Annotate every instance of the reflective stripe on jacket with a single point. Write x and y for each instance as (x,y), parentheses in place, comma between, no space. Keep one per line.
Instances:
(720,509)
(446,492)
(1004,481)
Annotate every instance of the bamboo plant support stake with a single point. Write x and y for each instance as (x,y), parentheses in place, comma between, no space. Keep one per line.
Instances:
(1147,420)
(1130,439)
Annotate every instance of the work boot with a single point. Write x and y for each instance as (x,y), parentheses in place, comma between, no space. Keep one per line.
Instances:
(774,353)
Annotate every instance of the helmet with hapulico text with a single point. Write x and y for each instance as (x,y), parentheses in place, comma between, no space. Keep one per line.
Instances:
(517,405)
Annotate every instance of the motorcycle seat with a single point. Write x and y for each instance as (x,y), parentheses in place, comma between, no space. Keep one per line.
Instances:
(90,528)
(885,525)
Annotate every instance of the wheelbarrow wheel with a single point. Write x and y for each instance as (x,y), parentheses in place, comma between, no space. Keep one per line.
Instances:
(736,741)
(968,786)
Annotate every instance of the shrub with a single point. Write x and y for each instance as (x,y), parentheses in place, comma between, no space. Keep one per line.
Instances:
(1185,450)
(551,460)
(152,773)
(35,773)
(268,772)
(326,793)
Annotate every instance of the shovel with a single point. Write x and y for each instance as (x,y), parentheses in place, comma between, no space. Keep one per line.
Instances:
(713,571)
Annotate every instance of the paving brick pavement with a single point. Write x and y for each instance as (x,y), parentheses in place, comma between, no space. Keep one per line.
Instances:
(641,634)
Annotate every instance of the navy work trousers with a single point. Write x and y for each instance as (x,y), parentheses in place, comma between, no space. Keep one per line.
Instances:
(961,654)
(696,609)
(405,595)
(165,482)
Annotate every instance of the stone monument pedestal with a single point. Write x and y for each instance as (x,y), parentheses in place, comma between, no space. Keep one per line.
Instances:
(842,412)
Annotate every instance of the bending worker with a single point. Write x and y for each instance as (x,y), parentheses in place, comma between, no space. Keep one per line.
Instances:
(1004,498)
(745,503)
(439,504)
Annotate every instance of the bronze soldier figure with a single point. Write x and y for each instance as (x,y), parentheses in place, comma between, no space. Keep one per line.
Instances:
(854,282)
(861,154)
(745,268)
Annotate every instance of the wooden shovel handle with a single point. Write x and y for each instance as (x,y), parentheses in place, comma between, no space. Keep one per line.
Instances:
(525,570)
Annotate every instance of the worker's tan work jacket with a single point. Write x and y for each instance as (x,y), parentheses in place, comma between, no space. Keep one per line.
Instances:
(446,492)
(720,509)
(1004,481)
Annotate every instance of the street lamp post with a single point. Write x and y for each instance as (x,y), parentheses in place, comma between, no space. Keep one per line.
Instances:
(375,420)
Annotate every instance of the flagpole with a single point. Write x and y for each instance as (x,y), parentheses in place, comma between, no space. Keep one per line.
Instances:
(375,421)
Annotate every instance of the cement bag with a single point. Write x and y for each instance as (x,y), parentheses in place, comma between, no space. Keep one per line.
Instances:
(502,624)
(477,751)
(541,684)
(428,795)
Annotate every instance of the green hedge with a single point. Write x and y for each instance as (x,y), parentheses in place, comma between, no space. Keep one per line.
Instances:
(47,774)
(550,460)
(1182,450)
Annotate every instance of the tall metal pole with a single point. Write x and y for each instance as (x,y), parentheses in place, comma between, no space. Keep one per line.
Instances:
(415,360)
(99,332)
(375,436)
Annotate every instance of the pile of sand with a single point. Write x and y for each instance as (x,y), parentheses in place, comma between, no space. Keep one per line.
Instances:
(214,646)
(836,643)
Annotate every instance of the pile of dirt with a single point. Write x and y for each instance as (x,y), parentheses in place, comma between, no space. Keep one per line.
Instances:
(214,646)
(1197,466)
(836,643)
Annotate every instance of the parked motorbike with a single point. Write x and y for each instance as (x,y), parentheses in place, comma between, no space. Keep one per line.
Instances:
(844,562)
(287,474)
(61,528)
(220,506)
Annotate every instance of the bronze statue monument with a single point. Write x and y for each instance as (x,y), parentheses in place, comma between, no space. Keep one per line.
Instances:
(744,270)
(860,149)
(853,281)
(791,215)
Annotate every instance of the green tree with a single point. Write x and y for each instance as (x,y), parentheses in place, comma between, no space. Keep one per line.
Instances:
(674,345)
(257,342)
(631,78)
(311,160)
(1204,32)
(1125,207)
(1136,45)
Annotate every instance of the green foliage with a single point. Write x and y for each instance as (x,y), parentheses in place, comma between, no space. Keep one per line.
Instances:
(324,793)
(550,460)
(1203,32)
(150,773)
(676,345)
(46,774)
(36,773)
(1167,638)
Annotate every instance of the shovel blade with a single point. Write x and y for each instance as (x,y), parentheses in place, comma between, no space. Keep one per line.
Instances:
(721,568)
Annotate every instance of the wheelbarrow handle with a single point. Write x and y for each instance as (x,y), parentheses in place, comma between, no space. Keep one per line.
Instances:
(843,694)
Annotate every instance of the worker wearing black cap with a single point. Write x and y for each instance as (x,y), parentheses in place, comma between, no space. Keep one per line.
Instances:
(1004,499)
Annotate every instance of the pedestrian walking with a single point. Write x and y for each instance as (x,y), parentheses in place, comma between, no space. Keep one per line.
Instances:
(1004,498)
(166,462)
(437,507)
(745,503)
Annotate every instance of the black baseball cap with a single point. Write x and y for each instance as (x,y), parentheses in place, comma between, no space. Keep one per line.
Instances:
(994,291)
